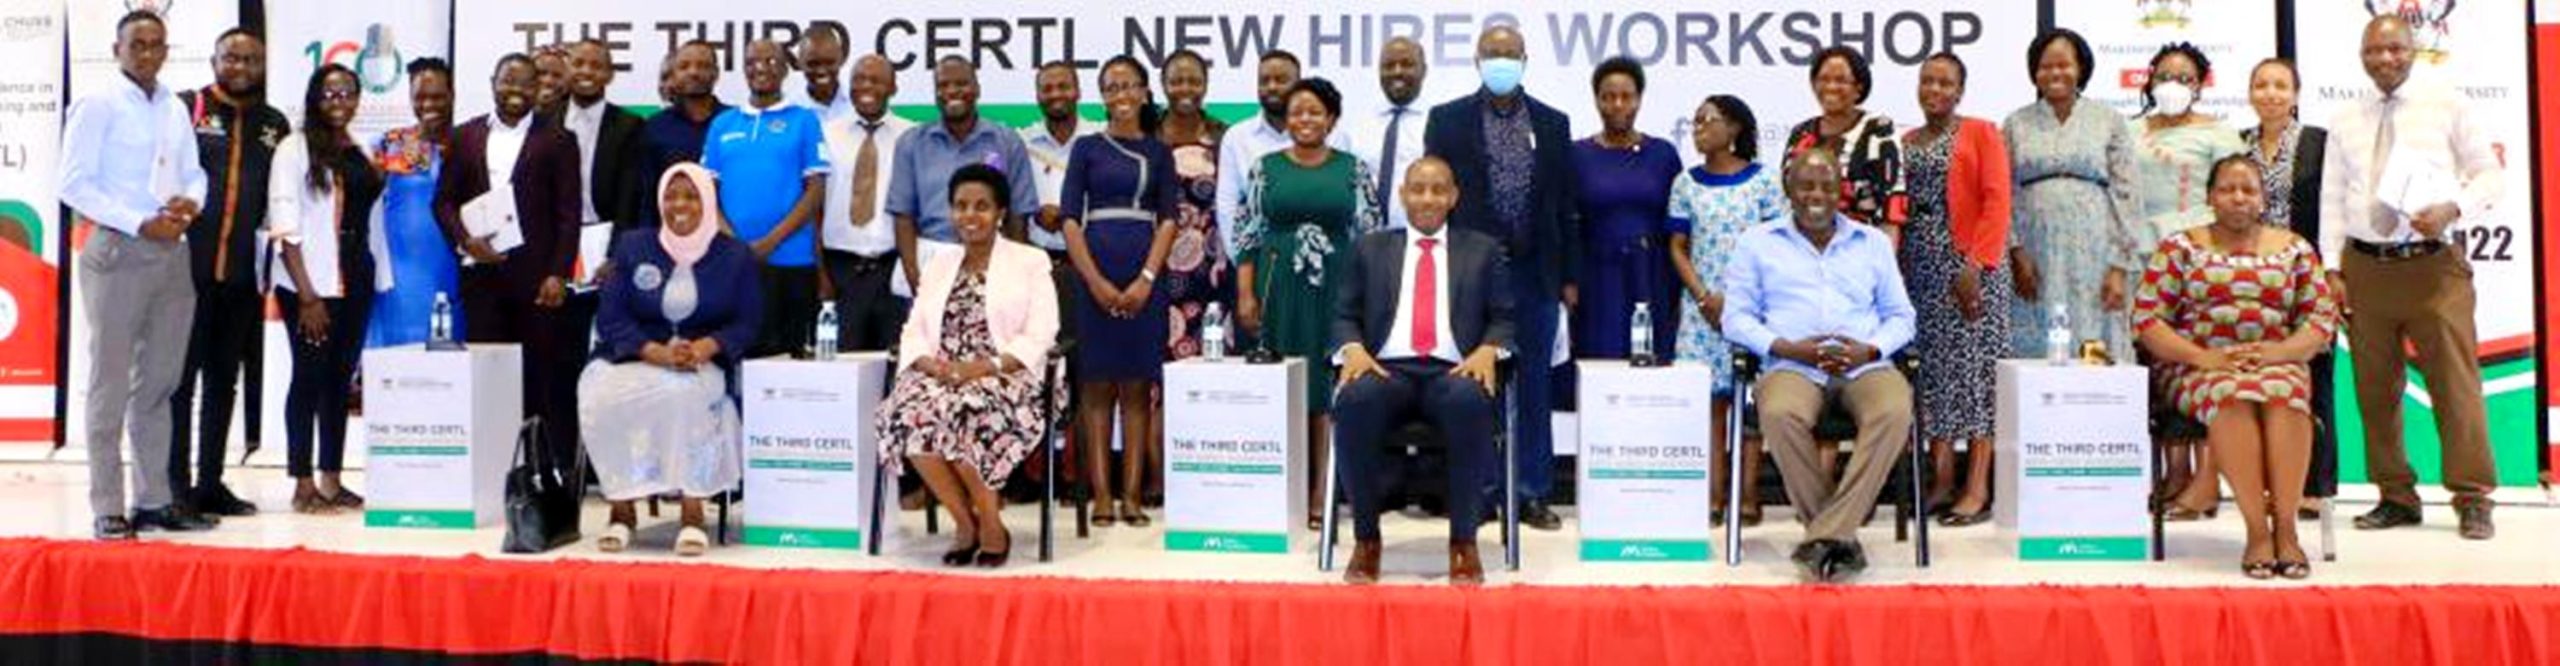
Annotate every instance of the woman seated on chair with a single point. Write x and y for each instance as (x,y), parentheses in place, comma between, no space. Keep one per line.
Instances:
(2235,308)
(966,405)
(679,308)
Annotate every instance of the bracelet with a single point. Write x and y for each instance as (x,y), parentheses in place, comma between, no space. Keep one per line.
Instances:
(1146,275)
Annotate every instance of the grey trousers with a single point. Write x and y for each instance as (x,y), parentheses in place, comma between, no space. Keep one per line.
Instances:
(141,304)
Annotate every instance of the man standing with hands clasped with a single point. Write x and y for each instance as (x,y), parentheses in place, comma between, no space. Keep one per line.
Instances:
(2404,284)
(129,167)
(1821,301)
(236,137)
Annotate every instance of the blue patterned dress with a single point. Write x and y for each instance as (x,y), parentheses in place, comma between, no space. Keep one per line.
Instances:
(1713,210)
(2076,217)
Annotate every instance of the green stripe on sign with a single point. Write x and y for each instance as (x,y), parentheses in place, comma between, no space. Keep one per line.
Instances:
(2085,471)
(417,451)
(2125,549)
(1227,542)
(803,537)
(420,518)
(1648,474)
(1641,550)
(1225,468)
(819,465)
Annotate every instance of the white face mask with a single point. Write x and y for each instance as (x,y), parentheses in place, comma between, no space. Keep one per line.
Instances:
(2174,99)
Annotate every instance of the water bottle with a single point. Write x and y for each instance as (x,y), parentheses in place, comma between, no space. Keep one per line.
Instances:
(2057,336)
(1640,337)
(826,333)
(1213,333)
(440,323)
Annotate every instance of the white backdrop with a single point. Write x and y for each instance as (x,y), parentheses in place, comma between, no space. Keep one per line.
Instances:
(2234,34)
(193,24)
(376,41)
(1751,49)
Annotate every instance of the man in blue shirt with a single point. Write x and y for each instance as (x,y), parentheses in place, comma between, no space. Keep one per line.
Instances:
(772,162)
(675,134)
(919,197)
(1822,302)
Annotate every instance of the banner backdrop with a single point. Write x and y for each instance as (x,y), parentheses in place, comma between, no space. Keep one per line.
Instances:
(2234,34)
(193,25)
(1756,50)
(30,226)
(2476,49)
(2546,105)
(377,41)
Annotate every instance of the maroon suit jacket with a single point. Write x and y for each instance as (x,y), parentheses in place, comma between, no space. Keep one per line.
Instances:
(547,205)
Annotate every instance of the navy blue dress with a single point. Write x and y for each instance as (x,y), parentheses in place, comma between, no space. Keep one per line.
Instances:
(1120,189)
(1624,199)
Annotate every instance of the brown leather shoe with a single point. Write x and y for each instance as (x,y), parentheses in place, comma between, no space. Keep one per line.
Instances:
(1466,568)
(2474,512)
(1364,564)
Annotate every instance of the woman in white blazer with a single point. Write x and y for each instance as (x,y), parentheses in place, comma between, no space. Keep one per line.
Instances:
(325,220)
(965,408)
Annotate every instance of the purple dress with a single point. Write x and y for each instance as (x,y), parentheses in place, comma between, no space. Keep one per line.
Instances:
(1625,196)
(1120,189)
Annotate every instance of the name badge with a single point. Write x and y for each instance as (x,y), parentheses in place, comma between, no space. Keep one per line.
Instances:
(648,278)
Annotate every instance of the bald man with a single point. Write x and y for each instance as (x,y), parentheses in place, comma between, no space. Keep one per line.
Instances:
(1390,139)
(859,240)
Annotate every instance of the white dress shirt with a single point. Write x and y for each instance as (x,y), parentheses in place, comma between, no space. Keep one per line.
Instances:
(305,221)
(1370,143)
(1399,342)
(877,235)
(2431,128)
(125,153)
(1244,144)
(505,144)
(1049,164)
(838,108)
(586,123)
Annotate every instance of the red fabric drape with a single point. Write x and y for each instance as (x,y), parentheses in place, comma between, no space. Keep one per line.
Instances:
(714,613)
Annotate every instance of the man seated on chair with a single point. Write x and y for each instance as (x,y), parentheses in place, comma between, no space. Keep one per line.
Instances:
(1821,302)
(1420,318)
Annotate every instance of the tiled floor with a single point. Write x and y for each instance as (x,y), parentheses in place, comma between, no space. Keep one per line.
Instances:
(48,499)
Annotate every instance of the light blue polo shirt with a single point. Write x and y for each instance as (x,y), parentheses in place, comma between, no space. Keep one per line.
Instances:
(761,155)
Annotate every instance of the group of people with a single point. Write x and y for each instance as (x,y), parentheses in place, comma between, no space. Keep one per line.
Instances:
(1416,257)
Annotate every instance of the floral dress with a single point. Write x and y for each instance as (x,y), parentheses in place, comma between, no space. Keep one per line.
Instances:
(1196,270)
(990,424)
(1871,187)
(2075,215)
(1297,228)
(1956,388)
(2219,299)
(1713,210)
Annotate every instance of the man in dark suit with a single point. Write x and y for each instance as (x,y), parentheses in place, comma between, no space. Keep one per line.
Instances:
(1514,150)
(515,296)
(608,137)
(1420,319)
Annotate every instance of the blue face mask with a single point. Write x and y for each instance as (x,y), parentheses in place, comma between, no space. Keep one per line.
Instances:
(1501,75)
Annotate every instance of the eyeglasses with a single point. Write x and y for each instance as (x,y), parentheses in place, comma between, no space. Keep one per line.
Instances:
(1117,87)
(337,94)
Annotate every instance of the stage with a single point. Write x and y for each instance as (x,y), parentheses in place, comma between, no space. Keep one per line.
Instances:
(280,584)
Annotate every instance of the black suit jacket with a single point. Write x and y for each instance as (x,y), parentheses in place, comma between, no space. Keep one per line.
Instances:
(547,206)
(2308,151)
(623,185)
(1479,291)
(1554,245)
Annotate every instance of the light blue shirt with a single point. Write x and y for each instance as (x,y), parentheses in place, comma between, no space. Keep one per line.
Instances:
(1778,287)
(763,156)
(125,153)
(920,183)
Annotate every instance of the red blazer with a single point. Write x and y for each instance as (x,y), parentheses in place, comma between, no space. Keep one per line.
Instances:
(1978,190)
(547,198)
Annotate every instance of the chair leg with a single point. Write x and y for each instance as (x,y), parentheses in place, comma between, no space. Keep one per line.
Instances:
(1733,475)
(653,506)
(1325,534)
(1510,487)
(1917,503)
(1048,495)
(932,521)
(873,529)
(2329,529)
(2159,505)
(721,535)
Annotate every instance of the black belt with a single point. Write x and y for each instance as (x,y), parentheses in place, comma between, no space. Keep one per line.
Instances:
(860,264)
(2031,182)
(2396,251)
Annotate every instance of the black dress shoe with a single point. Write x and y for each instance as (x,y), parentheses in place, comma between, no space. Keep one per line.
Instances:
(1811,558)
(114,528)
(1536,515)
(172,519)
(2388,515)
(1848,559)
(2474,512)
(219,501)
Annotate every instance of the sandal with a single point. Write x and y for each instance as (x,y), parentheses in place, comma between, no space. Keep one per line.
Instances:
(692,541)
(2179,513)
(2293,570)
(1954,518)
(345,499)
(616,537)
(309,502)
(2258,570)
(1103,517)
(1135,517)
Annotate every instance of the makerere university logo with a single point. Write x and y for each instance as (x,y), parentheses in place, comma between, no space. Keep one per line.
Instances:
(2430,23)
(2171,14)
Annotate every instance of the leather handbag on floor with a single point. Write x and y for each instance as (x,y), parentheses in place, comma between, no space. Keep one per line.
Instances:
(542,500)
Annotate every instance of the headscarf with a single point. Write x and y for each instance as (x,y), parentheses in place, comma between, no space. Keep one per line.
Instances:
(689,248)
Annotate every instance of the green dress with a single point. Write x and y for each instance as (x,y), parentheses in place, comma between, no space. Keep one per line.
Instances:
(1297,228)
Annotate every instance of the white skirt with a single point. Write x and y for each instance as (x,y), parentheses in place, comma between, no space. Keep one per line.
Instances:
(652,430)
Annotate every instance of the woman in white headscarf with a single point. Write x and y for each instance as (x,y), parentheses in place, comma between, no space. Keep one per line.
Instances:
(680,307)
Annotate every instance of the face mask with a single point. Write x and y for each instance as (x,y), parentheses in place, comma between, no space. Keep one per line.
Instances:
(2173,98)
(1501,75)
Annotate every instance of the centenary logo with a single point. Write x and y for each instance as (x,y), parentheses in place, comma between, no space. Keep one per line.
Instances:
(2430,22)
(377,62)
(2164,13)
(161,7)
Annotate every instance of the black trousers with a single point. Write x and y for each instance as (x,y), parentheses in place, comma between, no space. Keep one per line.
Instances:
(868,311)
(577,332)
(229,320)
(496,310)
(1368,411)
(316,401)
(790,310)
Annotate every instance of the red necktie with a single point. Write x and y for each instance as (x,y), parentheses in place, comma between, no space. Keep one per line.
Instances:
(1426,295)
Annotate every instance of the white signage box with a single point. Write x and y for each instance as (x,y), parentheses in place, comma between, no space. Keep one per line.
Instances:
(439,434)
(2075,460)
(1644,490)
(1235,468)
(812,449)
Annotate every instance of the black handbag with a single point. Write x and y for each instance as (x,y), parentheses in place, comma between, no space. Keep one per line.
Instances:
(542,501)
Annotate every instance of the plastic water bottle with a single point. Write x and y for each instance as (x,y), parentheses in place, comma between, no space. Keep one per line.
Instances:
(2057,335)
(1640,337)
(1213,333)
(826,333)
(440,323)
